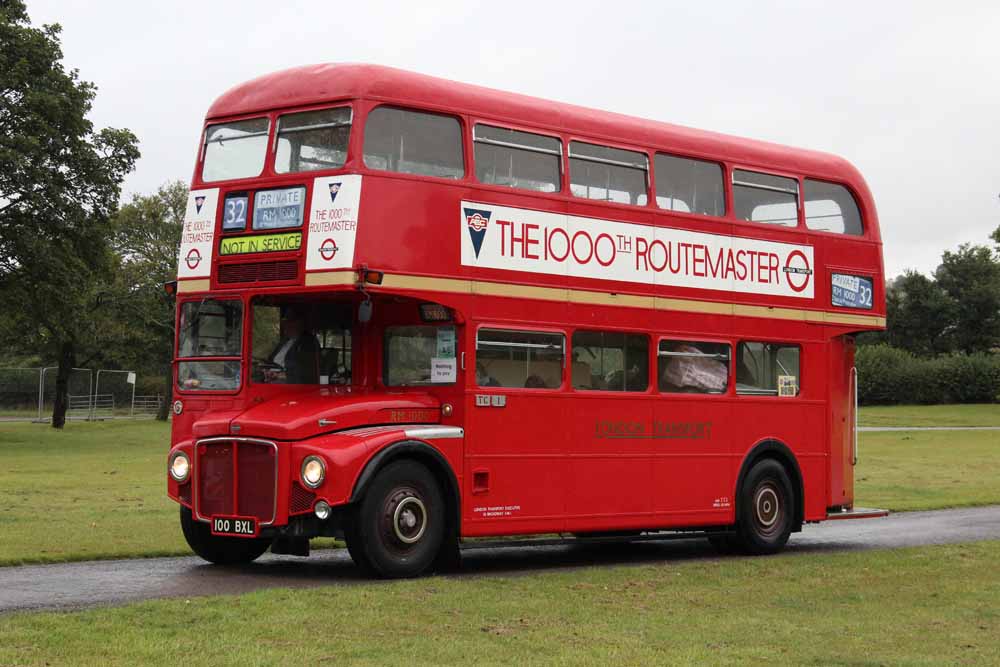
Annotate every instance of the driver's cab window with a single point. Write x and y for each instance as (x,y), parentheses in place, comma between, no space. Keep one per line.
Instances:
(301,342)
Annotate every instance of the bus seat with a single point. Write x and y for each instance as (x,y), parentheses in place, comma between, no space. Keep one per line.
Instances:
(583,377)
(514,372)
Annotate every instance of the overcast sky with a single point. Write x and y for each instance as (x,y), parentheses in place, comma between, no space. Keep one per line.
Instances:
(908,92)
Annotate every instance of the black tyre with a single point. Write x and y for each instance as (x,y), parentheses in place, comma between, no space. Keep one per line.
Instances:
(220,550)
(353,540)
(399,527)
(766,509)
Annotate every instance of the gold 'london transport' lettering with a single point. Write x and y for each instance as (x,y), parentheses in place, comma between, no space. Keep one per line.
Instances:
(656,430)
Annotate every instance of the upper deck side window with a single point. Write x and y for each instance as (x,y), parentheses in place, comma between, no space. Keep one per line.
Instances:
(235,150)
(831,208)
(517,159)
(413,142)
(766,198)
(689,185)
(312,140)
(608,174)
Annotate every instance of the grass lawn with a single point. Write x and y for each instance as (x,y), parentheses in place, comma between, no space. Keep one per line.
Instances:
(920,470)
(92,490)
(923,606)
(97,490)
(980,414)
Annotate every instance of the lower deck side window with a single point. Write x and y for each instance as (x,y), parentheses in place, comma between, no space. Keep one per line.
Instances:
(610,360)
(526,359)
(691,367)
(767,369)
(419,355)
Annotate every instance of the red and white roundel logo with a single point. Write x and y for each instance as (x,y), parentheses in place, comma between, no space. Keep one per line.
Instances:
(328,250)
(797,270)
(477,222)
(193,259)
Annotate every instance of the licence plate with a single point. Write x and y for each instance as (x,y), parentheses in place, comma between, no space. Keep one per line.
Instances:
(234,526)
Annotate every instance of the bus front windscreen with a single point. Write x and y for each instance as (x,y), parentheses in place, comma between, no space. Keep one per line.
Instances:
(300,341)
(209,329)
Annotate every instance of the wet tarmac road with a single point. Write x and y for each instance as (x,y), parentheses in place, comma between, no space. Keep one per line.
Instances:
(77,585)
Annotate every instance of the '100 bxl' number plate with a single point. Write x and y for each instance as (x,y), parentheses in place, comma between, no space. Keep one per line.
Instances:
(234,526)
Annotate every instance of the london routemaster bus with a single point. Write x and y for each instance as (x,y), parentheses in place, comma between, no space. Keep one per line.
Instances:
(412,312)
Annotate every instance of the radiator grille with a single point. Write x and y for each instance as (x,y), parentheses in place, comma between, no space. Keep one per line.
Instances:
(236,478)
(259,272)
(302,499)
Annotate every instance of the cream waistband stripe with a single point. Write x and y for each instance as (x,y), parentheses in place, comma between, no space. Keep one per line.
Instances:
(455,285)
(397,281)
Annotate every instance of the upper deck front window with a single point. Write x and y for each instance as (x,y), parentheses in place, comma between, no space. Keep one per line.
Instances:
(235,150)
(312,140)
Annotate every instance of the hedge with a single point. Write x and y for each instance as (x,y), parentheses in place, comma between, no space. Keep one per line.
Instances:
(888,375)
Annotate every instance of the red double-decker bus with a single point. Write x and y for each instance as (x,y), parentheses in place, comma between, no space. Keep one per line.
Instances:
(412,311)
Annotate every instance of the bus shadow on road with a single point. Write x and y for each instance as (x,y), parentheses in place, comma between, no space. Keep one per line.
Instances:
(335,565)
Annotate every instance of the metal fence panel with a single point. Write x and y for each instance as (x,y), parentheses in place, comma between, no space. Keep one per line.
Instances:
(28,394)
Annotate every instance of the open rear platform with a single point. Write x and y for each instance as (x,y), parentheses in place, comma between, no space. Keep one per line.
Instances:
(857,513)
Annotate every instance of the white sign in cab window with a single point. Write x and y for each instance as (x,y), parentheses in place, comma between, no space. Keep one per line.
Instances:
(443,370)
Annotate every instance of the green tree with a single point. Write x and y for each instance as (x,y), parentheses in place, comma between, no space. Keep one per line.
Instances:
(971,277)
(920,314)
(59,182)
(147,238)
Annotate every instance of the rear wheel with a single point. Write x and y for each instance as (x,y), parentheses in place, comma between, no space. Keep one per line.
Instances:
(220,550)
(766,508)
(399,527)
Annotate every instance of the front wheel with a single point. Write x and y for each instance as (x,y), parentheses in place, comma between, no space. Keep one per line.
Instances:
(399,527)
(766,508)
(220,550)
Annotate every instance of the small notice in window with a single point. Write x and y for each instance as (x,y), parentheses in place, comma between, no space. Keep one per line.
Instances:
(787,386)
(443,370)
(446,342)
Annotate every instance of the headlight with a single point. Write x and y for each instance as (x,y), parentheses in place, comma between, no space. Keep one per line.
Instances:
(180,467)
(313,471)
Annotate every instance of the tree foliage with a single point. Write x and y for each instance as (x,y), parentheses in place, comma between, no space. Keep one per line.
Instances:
(920,313)
(59,182)
(147,234)
(970,276)
(957,309)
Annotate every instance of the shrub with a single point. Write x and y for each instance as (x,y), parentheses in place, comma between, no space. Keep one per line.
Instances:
(888,375)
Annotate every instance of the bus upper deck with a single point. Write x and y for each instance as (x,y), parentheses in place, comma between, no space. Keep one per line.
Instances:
(468,189)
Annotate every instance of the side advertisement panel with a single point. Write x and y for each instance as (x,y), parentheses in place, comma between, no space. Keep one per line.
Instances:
(511,239)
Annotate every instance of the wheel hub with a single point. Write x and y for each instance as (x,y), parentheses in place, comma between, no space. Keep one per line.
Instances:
(767,506)
(409,518)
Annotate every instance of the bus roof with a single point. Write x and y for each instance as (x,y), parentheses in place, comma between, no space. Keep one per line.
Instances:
(317,84)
